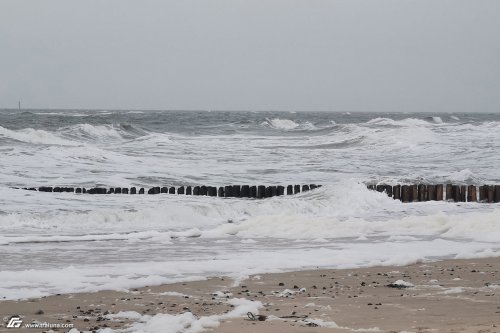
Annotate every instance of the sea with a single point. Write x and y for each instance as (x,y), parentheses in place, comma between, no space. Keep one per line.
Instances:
(65,242)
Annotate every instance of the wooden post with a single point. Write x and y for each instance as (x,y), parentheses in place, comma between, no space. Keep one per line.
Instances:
(171,190)
(289,190)
(261,192)
(221,192)
(388,190)
(180,190)
(397,192)
(245,191)
(380,188)
(431,192)
(196,190)
(141,190)
(296,189)
(305,188)
(124,190)
(236,191)
(483,197)
(422,191)
(313,186)
(471,193)
(118,190)
(112,190)
(414,193)
(133,190)
(78,190)
(228,191)
(491,190)
(203,190)
(269,192)
(212,191)
(449,192)
(497,193)
(281,190)
(253,191)
(370,187)
(463,193)
(189,190)
(405,193)
(274,191)
(439,192)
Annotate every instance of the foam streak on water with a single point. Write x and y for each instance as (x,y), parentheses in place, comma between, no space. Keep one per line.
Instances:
(61,242)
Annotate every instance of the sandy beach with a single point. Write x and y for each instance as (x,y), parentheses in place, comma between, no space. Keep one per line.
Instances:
(442,296)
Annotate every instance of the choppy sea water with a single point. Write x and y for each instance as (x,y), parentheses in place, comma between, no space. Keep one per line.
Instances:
(64,242)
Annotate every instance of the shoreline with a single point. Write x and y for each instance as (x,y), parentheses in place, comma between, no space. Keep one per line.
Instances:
(454,295)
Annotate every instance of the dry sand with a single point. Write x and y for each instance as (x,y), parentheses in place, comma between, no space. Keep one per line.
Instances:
(448,296)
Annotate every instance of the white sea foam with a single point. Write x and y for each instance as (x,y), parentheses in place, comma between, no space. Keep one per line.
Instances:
(124,241)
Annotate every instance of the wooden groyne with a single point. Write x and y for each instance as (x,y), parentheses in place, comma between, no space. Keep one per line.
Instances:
(230,191)
(404,193)
(450,192)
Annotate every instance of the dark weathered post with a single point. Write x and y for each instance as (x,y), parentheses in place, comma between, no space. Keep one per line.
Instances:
(133,190)
(313,186)
(491,190)
(253,191)
(261,192)
(405,193)
(141,190)
(422,191)
(118,190)
(431,192)
(237,191)
(380,188)
(112,191)
(196,190)
(305,188)
(164,189)
(228,191)
(414,193)
(289,190)
(371,187)
(471,193)
(497,193)
(180,190)
(455,193)
(388,190)
(463,193)
(124,190)
(439,192)
(274,191)
(449,192)
(212,191)
(78,190)
(483,196)
(220,193)
(397,192)
(296,189)
(280,190)
(189,190)
(269,192)
(245,191)
(203,190)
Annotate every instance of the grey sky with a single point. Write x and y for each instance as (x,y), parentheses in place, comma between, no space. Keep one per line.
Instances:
(386,55)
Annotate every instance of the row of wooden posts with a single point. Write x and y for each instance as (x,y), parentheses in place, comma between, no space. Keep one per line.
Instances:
(235,191)
(457,193)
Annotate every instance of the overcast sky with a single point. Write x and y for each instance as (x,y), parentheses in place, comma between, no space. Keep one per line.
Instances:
(340,55)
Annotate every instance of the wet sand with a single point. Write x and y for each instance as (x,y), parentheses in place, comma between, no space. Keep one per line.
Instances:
(443,296)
